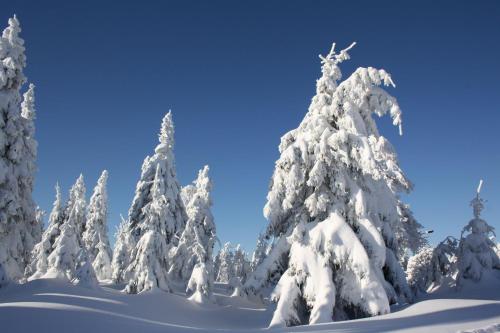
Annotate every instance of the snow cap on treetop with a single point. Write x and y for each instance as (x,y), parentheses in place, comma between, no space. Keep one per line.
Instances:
(104,177)
(11,33)
(167,130)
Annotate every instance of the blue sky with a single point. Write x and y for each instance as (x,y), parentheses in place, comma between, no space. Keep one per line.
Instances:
(238,75)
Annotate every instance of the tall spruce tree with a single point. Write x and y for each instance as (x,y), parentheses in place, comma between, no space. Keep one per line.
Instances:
(333,206)
(173,219)
(27,169)
(17,211)
(39,256)
(95,236)
(198,238)
(149,262)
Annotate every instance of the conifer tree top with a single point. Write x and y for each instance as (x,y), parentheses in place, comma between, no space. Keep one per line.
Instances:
(12,55)
(167,129)
(103,178)
(203,180)
(477,203)
(11,33)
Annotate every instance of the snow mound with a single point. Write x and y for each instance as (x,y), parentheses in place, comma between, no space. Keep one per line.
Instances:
(58,306)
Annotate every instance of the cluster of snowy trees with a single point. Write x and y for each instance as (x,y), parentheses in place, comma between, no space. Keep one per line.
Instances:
(232,264)
(169,235)
(75,245)
(457,261)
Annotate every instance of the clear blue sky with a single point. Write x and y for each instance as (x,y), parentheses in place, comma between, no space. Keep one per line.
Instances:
(239,75)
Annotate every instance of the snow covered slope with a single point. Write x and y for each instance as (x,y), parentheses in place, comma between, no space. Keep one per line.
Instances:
(55,306)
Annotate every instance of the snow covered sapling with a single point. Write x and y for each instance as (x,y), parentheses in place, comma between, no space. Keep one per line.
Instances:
(16,206)
(38,263)
(197,240)
(334,207)
(200,284)
(260,252)
(95,236)
(241,265)
(477,252)
(431,265)
(225,264)
(174,217)
(124,242)
(149,264)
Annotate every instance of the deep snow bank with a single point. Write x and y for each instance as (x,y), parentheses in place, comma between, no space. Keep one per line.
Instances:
(55,306)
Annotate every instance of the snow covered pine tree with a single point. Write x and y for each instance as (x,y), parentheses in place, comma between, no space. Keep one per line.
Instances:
(95,236)
(476,252)
(27,169)
(17,159)
(333,206)
(224,260)
(156,218)
(38,264)
(428,267)
(260,252)
(192,259)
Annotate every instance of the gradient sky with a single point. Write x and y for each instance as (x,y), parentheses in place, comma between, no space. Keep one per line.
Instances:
(238,75)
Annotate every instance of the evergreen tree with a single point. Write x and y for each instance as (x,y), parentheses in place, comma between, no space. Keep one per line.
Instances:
(174,217)
(95,236)
(225,267)
(333,206)
(197,240)
(14,228)
(260,252)
(477,252)
(124,242)
(409,234)
(149,263)
(241,266)
(38,263)
(430,266)
(77,197)
(27,169)
(201,284)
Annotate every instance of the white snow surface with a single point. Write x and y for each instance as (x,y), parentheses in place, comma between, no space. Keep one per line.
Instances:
(56,306)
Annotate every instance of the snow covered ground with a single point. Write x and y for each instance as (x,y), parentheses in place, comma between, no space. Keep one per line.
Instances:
(56,306)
